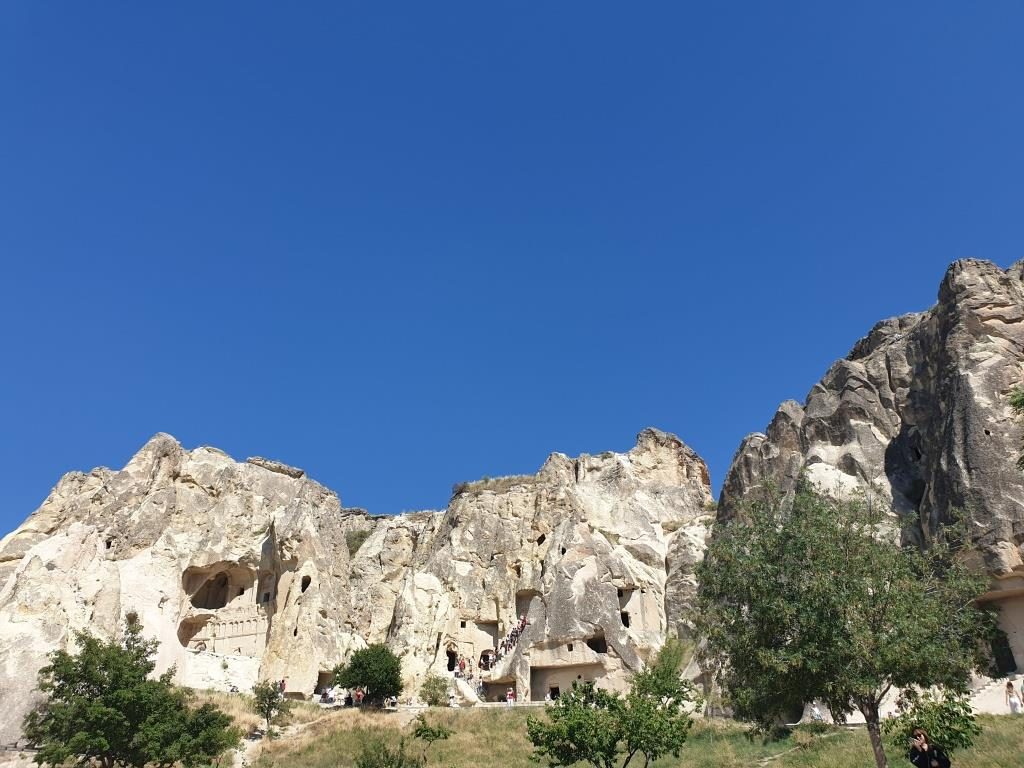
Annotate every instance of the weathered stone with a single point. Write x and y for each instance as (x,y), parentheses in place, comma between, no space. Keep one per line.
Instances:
(919,413)
(243,570)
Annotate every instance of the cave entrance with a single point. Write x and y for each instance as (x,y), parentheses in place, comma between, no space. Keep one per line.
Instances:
(598,644)
(213,594)
(323,681)
(453,659)
(189,628)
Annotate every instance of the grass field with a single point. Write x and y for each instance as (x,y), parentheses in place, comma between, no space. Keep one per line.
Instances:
(497,737)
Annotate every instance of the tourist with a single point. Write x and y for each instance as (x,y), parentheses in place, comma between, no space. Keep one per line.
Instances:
(924,754)
(359,697)
(816,715)
(462,666)
(1012,698)
(510,697)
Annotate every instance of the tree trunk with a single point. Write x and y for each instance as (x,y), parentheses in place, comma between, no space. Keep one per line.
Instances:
(870,711)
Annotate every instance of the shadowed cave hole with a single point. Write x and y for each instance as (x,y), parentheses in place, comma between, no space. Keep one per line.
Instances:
(213,594)
(306,581)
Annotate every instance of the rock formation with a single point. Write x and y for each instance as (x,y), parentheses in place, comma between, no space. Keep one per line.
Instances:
(919,412)
(243,571)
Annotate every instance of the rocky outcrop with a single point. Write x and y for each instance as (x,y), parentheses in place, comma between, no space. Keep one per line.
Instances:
(244,570)
(919,412)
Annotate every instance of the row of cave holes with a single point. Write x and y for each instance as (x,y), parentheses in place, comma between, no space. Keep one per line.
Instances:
(306,581)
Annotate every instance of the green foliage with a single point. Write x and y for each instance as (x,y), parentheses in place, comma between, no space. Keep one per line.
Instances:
(1017,404)
(101,707)
(376,670)
(378,755)
(269,702)
(434,690)
(354,540)
(813,602)
(591,725)
(947,717)
(429,733)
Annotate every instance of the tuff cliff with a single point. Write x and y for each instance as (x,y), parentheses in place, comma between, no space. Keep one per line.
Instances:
(919,412)
(243,570)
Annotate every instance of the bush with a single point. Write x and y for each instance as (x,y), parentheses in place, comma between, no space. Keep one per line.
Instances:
(269,703)
(947,717)
(434,690)
(378,755)
(355,540)
(376,670)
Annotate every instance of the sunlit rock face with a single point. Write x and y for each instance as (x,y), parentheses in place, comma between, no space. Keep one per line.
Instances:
(919,410)
(242,571)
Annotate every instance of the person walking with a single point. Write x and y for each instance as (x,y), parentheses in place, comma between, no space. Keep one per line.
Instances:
(1012,698)
(924,754)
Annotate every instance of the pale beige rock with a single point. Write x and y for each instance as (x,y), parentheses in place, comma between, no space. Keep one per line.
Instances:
(918,413)
(242,571)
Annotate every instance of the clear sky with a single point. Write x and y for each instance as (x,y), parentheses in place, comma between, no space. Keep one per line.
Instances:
(404,245)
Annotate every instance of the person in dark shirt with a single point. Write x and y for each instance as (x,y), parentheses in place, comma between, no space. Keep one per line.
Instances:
(924,754)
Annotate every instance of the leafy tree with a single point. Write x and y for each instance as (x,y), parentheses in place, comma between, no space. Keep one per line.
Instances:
(599,727)
(102,707)
(811,601)
(948,718)
(434,690)
(269,702)
(429,733)
(375,669)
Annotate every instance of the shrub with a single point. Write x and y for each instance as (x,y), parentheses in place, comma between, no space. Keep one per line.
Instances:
(378,755)
(947,717)
(434,690)
(355,540)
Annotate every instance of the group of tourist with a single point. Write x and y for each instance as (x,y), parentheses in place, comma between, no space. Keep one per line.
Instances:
(507,644)
(336,695)
(464,668)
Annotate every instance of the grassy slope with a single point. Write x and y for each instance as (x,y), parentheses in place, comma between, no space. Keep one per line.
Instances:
(496,737)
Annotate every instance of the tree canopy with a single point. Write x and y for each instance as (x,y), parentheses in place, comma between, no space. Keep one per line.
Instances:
(268,701)
(812,600)
(591,725)
(376,670)
(102,706)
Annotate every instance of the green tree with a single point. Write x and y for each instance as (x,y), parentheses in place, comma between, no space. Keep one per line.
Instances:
(376,670)
(591,725)
(102,707)
(434,690)
(428,734)
(269,702)
(947,716)
(810,600)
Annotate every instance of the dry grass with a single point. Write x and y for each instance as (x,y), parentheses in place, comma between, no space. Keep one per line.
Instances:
(497,737)
(238,706)
(496,484)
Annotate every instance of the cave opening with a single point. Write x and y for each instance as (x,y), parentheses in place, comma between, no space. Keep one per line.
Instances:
(306,581)
(453,659)
(213,594)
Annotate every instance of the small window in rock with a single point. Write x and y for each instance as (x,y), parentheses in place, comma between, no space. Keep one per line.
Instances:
(306,582)
(110,542)
(553,692)
(987,432)
(266,597)
(643,591)
(540,539)
(295,632)
(241,591)
(625,618)
(563,550)
(597,645)
(462,624)
(519,570)
(620,593)
(570,647)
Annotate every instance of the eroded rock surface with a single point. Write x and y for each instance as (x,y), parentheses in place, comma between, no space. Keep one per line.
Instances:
(919,411)
(243,570)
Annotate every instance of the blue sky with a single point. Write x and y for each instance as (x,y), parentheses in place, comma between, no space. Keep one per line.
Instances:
(404,245)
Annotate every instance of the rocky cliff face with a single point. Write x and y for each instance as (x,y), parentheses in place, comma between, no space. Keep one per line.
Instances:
(919,410)
(243,570)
